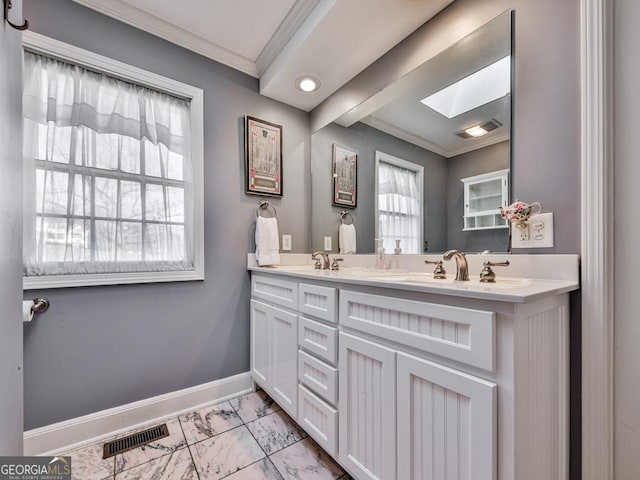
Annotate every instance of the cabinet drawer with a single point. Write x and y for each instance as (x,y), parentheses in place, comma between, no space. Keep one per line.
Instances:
(318,376)
(461,334)
(275,290)
(319,339)
(317,301)
(319,420)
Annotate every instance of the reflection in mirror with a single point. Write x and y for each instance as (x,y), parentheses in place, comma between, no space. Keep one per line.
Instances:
(399,200)
(450,119)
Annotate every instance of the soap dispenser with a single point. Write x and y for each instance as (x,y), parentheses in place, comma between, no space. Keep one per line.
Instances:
(380,257)
(398,249)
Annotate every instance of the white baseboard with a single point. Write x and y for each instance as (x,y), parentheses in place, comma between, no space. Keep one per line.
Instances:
(69,434)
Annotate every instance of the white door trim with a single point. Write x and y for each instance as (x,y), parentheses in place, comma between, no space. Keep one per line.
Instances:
(597,238)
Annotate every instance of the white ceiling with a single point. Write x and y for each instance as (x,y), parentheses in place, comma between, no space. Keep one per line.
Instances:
(241,27)
(280,40)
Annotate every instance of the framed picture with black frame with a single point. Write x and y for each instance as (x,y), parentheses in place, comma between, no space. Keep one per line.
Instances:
(263,152)
(345,176)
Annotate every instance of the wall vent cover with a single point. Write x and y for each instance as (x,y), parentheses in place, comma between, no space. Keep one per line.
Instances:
(135,440)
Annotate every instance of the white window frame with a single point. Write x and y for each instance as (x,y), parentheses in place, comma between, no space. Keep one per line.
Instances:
(398,162)
(43,45)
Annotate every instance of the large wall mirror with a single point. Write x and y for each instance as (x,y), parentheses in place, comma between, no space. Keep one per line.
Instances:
(451,119)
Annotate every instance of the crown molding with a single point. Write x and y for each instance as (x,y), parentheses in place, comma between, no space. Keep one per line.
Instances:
(137,18)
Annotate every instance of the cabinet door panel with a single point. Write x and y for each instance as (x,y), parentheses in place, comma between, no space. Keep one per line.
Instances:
(367,408)
(285,359)
(261,343)
(446,423)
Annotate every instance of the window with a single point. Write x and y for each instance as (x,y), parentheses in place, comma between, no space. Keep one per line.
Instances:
(113,171)
(399,203)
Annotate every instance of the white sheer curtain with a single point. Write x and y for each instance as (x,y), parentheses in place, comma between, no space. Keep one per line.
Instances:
(108,176)
(399,208)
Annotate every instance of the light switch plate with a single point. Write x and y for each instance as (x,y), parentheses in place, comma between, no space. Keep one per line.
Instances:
(286,243)
(327,244)
(537,234)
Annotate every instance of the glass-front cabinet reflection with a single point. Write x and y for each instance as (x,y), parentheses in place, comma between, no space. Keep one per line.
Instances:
(483,196)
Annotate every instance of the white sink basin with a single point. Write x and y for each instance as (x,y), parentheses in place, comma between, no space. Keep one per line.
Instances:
(295,268)
(416,278)
(505,283)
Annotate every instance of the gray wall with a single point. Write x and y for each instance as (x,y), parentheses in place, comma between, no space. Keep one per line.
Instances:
(483,160)
(325,218)
(546,97)
(10,237)
(99,347)
(626,231)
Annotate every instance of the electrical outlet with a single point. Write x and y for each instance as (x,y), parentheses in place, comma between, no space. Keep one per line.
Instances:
(327,244)
(538,233)
(522,232)
(286,242)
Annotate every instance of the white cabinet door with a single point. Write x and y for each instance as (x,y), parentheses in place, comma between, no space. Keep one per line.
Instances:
(446,423)
(284,374)
(367,432)
(261,343)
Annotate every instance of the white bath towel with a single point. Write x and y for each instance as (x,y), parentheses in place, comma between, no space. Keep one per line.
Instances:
(267,241)
(347,238)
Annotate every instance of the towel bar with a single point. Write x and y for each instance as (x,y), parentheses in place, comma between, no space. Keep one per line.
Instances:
(344,214)
(264,205)
(40,305)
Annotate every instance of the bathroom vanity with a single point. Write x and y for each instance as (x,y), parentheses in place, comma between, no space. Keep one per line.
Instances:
(400,376)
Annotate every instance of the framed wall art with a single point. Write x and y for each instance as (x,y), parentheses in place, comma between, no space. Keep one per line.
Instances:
(345,176)
(263,150)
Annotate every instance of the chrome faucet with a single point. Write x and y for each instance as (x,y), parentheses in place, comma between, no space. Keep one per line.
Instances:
(325,260)
(462,268)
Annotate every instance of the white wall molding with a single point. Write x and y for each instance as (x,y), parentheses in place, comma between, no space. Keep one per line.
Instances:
(63,436)
(597,239)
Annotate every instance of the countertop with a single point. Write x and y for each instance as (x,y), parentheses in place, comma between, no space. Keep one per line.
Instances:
(506,289)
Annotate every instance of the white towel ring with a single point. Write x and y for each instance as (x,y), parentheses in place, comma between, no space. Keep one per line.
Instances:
(344,214)
(264,205)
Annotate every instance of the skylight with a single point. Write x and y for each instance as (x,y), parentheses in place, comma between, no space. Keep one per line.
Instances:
(479,88)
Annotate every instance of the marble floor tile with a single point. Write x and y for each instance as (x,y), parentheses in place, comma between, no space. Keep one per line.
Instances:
(254,405)
(275,431)
(224,454)
(208,422)
(261,470)
(306,461)
(177,465)
(87,463)
(152,450)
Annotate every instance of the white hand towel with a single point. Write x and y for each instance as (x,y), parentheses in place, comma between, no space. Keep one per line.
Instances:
(347,238)
(267,241)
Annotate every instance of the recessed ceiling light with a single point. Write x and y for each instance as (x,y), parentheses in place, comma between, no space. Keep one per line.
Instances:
(307,84)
